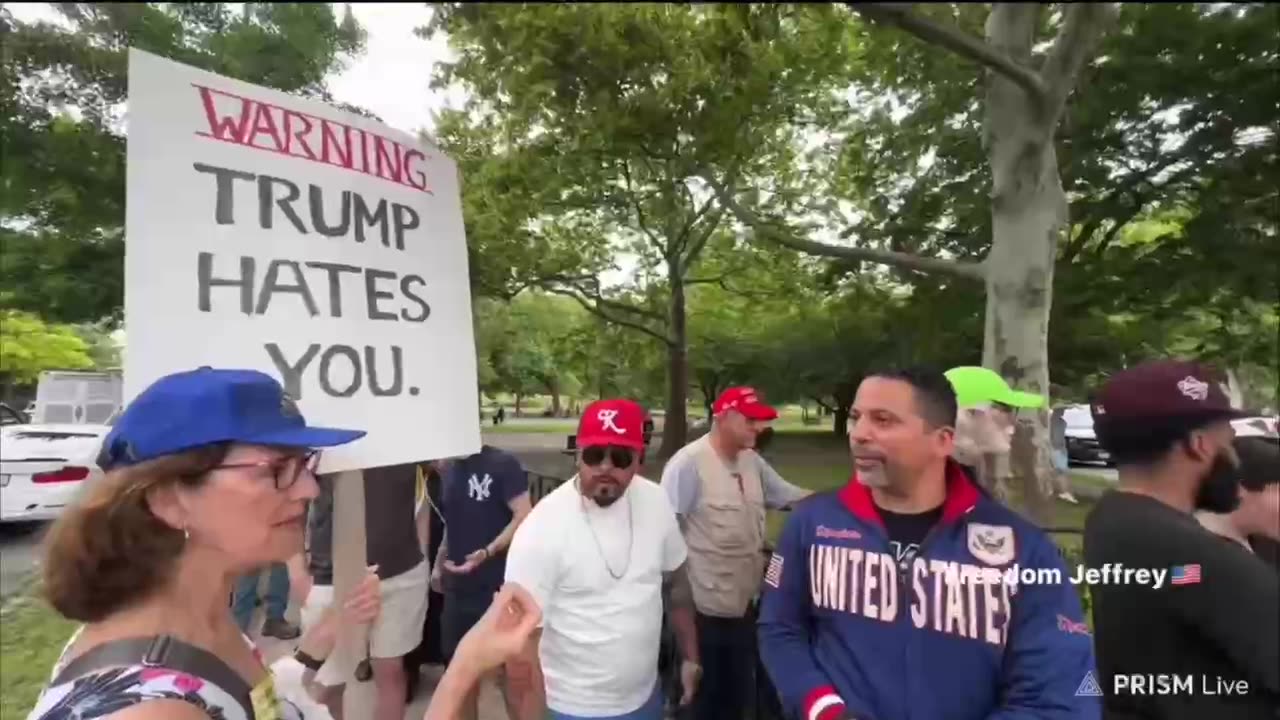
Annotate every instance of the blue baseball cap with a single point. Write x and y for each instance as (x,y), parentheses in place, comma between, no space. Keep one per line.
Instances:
(204,406)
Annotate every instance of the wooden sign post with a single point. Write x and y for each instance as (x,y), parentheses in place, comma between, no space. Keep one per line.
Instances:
(349,555)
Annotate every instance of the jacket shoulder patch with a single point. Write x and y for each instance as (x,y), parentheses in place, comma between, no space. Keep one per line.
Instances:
(991,544)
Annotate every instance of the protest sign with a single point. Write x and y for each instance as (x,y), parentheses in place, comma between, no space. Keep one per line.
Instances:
(278,233)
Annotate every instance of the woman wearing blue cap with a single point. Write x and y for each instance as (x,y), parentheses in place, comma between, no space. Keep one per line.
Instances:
(208,476)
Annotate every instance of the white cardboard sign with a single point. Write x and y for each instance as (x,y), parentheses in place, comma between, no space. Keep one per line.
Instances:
(272,232)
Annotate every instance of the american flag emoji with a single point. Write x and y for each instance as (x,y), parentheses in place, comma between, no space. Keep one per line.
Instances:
(773,574)
(1185,574)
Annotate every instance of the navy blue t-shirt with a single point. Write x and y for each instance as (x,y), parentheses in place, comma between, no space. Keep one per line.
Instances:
(475,503)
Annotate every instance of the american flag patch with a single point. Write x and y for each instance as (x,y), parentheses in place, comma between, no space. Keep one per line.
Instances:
(773,574)
(1185,574)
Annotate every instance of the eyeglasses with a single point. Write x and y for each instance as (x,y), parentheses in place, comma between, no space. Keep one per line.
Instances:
(619,457)
(284,470)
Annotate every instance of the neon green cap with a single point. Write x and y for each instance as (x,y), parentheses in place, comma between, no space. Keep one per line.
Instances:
(977,385)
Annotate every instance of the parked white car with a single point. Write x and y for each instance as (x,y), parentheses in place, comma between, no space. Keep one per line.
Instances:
(44,467)
(1082,443)
(1257,426)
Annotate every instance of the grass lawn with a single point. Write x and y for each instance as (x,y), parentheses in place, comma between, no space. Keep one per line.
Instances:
(814,458)
(540,426)
(31,637)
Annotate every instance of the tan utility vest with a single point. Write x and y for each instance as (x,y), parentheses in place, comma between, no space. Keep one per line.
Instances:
(725,533)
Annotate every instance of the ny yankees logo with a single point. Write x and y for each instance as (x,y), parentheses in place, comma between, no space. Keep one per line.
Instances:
(479,489)
(1193,388)
(606,421)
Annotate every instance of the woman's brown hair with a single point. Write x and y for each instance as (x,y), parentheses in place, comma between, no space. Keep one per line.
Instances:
(108,550)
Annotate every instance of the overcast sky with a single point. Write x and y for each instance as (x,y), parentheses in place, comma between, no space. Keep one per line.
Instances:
(391,79)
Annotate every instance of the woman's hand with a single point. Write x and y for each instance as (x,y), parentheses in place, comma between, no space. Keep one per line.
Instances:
(364,602)
(502,632)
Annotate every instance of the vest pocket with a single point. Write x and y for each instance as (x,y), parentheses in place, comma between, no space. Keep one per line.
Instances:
(730,526)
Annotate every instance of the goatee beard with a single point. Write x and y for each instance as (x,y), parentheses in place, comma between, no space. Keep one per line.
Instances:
(1219,490)
(878,478)
(605,499)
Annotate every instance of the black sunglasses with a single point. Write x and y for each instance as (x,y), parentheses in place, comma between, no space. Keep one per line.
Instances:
(284,470)
(619,457)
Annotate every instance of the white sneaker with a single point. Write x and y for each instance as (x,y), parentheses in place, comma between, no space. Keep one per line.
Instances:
(1068,497)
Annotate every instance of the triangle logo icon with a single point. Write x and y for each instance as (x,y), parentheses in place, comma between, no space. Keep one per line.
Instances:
(1089,687)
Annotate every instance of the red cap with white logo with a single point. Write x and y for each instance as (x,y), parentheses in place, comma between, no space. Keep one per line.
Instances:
(612,422)
(746,401)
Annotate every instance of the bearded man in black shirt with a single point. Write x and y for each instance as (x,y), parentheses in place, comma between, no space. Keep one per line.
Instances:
(1205,643)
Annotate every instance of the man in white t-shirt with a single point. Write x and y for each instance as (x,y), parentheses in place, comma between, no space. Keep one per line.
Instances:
(596,553)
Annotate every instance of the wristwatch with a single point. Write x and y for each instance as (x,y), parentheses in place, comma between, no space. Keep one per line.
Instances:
(307,661)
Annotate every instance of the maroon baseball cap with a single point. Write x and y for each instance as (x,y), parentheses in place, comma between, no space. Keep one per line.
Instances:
(1163,389)
(746,401)
(612,422)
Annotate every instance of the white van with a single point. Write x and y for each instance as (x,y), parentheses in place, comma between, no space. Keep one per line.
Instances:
(68,397)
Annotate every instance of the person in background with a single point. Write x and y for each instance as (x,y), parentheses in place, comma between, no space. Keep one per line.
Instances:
(1255,524)
(207,477)
(719,488)
(880,602)
(397,534)
(276,601)
(429,651)
(1167,424)
(485,497)
(985,421)
(595,553)
(1058,454)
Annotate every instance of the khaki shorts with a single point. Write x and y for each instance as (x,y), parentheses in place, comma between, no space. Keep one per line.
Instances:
(398,629)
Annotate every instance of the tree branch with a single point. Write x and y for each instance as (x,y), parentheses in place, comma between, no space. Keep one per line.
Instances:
(695,248)
(599,312)
(654,240)
(1081,29)
(681,243)
(553,282)
(772,231)
(957,41)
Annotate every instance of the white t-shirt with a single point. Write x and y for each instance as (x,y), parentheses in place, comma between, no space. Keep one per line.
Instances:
(599,648)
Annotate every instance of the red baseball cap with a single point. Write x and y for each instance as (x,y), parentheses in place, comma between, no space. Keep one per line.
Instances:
(612,422)
(746,401)
(1162,389)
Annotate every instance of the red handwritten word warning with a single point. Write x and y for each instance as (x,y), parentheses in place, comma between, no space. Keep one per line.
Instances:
(264,126)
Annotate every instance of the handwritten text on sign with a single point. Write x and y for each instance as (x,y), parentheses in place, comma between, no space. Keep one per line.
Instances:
(277,233)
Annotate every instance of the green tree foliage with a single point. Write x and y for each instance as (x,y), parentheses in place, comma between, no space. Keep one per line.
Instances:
(62,99)
(534,344)
(29,346)
(590,129)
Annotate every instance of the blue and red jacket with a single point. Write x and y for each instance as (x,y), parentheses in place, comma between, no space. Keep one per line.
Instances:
(849,630)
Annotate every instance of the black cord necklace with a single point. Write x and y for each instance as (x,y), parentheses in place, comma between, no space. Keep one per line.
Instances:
(600,548)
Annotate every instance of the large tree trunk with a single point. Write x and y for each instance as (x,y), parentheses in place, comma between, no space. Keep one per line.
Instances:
(553,387)
(843,396)
(840,421)
(1028,213)
(675,426)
